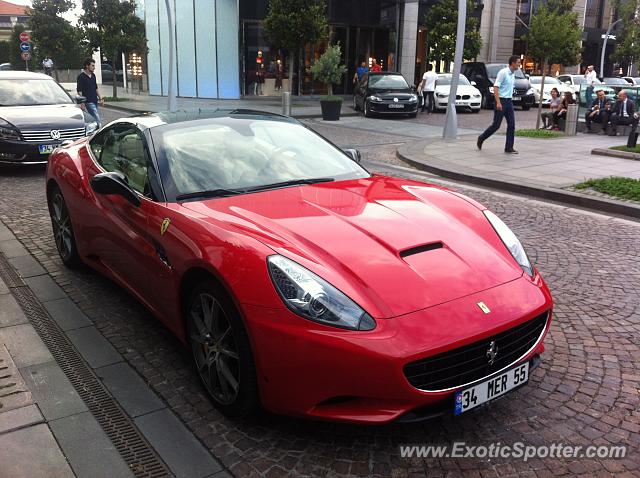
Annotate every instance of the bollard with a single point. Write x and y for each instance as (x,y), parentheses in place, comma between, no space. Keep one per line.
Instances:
(286,103)
(571,121)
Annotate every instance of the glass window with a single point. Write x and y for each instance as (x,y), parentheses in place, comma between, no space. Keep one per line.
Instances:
(446,80)
(122,149)
(548,80)
(492,71)
(244,153)
(387,82)
(32,92)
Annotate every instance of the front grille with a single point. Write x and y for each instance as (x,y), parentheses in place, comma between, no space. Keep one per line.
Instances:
(520,92)
(45,136)
(468,364)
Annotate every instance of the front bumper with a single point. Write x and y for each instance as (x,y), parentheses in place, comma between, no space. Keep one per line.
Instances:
(390,107)
(471,103)
(23,152)
(524,100)
(308,370)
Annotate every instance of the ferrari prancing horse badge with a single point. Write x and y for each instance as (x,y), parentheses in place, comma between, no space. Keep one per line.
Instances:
(164,226)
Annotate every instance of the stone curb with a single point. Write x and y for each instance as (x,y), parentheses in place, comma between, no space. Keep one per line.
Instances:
(616,154)
(413,154)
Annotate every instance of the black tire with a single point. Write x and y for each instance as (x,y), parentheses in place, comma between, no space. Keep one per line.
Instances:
(63,234)
(367,111)
(484,103)
(525,107)
(221,351)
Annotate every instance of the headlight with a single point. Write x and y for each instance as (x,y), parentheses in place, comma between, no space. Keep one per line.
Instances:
(530,91)
(491,89)
(90,128)
(511,241)
(442,95)
(375,98)
(8,132)
(313,298)
(413,98)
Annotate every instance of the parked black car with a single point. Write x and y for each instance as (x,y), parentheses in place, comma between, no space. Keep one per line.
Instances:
(36,116)
(483,76)
(385,93)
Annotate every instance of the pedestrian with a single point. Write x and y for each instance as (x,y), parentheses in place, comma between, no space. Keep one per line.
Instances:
(503,94)
(624,113)
(428,89)
(554,104)
(47,65)
(561,112)
(87,86)
(279,74)
(590,79)
(361,70)
(375,68)
(599,112)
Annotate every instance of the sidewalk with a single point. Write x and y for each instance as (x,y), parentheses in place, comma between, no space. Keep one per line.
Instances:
(70,406)
(545,168)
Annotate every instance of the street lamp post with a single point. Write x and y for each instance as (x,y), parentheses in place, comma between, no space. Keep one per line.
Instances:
(172,29)
(604,46)
(451,122)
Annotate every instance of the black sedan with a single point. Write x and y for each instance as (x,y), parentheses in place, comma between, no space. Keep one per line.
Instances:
(36,116)
(385,93)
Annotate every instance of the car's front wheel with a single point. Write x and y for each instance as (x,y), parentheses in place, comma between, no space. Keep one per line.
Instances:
(221,351)
(62,229)
(367,109)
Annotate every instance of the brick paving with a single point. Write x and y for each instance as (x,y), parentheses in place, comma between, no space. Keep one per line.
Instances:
(586,392)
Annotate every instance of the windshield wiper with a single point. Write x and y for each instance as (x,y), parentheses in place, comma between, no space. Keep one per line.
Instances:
(212,193)
(292,182)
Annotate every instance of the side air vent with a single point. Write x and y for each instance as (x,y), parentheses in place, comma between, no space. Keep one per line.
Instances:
(419,249)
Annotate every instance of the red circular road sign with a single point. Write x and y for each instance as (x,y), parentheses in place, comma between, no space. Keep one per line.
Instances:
(26,55)
(24,36)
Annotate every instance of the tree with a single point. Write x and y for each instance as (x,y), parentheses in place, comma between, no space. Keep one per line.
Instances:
(14,47)
(291,24)
(441,21)
(628,33)
(113,26)
(5,52)
(54,36)
(554,37)
(328,68)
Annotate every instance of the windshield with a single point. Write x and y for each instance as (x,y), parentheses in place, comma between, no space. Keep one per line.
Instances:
(240,153)
(32,92)
(387,82)
(615,81)
(447,79)
(548,80)
(492,71)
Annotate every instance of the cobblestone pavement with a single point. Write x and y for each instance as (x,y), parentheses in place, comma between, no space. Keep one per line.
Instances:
(586,392)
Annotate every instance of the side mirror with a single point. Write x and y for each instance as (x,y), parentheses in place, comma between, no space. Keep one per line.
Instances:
(114,183)
(473,83)
(79,99)
(354,154)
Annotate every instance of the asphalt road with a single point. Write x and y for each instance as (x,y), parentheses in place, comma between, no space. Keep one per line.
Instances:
(586,392)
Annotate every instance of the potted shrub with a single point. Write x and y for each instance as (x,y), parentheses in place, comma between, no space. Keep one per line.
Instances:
(328,70)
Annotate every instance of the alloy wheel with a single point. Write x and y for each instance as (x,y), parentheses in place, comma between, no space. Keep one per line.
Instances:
(62,232)
(214,348)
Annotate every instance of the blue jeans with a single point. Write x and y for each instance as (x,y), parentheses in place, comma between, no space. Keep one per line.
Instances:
(509,114)
(92,109)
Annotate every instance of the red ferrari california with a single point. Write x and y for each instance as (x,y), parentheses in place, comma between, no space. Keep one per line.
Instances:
(301,282)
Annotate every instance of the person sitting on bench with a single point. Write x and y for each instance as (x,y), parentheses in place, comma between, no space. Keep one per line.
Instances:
(624,113)
(599,112)
(567,99)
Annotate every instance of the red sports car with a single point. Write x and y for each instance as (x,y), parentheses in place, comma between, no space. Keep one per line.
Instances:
(301,282)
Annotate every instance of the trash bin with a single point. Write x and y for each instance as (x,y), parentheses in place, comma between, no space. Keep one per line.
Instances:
(633,140)
(286,103)
(571,124)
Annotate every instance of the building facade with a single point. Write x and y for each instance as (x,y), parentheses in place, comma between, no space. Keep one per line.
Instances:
(10,16)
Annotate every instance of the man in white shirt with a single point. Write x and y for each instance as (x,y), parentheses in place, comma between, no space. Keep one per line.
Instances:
(47,65)
(428,88)
(591,77)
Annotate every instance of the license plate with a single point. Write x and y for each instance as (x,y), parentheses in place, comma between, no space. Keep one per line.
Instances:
(396,106)
(489,389)
(47,148)
(516,98)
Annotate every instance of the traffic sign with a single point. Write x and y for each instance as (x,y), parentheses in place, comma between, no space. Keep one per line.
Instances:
(26,55)
(24,36)
(25,46)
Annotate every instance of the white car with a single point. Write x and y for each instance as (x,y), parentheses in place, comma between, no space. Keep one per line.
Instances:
(549,83)
(574,82)
(635,81)
(467,96)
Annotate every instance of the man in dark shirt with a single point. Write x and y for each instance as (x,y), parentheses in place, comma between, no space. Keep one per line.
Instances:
(87,86)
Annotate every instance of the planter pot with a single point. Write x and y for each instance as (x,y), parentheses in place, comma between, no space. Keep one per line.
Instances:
(330,110)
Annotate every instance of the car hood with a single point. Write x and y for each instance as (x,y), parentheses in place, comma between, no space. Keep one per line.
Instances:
(393,246)
(391,94)
(462,89)
(43,116)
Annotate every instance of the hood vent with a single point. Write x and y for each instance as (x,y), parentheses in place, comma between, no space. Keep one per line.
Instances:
(420,249)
